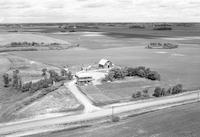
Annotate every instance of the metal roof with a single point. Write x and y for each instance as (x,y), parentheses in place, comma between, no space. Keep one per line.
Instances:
(103,61)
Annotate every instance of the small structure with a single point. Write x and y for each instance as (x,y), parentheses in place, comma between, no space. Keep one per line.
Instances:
(83,78)
(104,63)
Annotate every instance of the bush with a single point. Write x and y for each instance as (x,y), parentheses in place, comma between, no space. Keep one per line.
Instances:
(177,89)
(113,74)
(26,87)
(141,73)
(169,91)
(145,93)
(138,94)
(134,95)
(6,80)
(44,70)
(107,78)
(153,75)
(163,92)
(131,71)
(157,92)
(117,73)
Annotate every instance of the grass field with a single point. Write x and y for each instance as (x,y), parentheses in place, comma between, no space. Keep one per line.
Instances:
(123,90)
(58,101)
(119,91)
(96,95)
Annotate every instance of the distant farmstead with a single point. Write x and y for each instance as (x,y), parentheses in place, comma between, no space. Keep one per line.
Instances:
(104,63)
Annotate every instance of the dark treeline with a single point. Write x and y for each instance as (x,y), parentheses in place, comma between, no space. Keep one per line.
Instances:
(141,71)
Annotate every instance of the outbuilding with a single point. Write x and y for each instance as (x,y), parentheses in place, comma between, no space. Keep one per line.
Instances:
(104,63)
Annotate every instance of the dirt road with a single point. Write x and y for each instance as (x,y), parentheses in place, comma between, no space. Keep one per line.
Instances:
(88,106)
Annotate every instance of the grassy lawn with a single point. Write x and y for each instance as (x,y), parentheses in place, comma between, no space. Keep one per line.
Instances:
(96,96)
(117,91)
(124,89)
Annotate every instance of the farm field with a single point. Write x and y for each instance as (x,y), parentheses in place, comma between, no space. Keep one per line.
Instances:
(31,42)
(170,63)
(6,38)
(119,44)
(181,121)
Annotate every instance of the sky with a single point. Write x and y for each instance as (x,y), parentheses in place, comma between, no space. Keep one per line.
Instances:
(33,11)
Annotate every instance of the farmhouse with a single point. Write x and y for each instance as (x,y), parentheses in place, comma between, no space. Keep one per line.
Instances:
(104,63)
(83,78)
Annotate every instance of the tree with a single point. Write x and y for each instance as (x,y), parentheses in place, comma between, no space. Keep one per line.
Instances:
(19,83)
(169,91)
(44,72)
(163,92)
(15,78)
(53,75)
(157,92)
(141,73)
(63,72)
(138,94)
(117,73)
(153,75)
(131,71)
(177,89)
(6,79)
(145,93)
(69,75)
(26,87)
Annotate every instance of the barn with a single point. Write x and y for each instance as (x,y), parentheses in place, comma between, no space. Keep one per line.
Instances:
(104,63)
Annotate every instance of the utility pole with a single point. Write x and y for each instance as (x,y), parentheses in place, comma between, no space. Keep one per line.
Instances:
(112,112)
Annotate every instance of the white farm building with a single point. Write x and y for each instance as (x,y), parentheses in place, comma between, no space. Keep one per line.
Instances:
(104,63)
